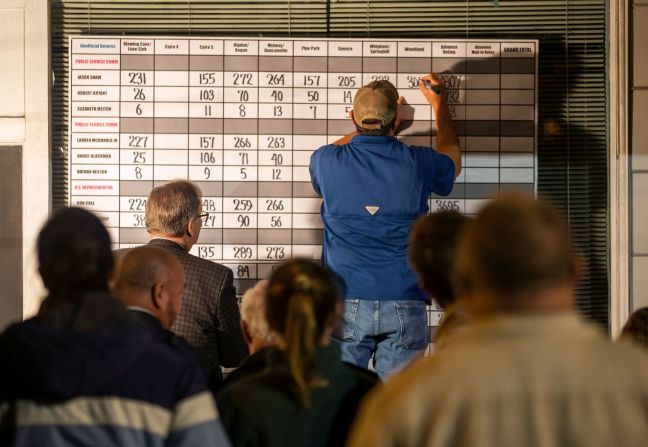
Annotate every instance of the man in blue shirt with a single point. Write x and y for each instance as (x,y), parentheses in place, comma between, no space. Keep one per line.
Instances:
(374,188)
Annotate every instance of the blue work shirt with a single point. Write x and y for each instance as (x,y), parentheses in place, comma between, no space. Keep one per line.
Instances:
(374,189)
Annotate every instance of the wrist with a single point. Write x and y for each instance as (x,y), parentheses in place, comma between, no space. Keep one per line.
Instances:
(437,105)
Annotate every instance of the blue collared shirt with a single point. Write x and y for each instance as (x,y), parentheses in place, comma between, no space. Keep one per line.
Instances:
(374,189)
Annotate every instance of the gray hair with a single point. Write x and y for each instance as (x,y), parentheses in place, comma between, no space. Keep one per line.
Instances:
(253,305)
(170,207)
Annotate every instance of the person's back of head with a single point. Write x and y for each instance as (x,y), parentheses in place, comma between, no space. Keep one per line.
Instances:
(83,363)
(636,328)
(516,257)
(375,107)
(303,303)
(74,253)
(151,278)
(433,250)
(254,324)
(172,210)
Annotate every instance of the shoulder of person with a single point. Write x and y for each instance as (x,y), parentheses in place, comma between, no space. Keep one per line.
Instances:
(178,343)
(629,353)
(207,264)
(162,339)
(249,367)
(325,150)
(270,373)
(422,150)
(327,147)
(120,252)
(180,359)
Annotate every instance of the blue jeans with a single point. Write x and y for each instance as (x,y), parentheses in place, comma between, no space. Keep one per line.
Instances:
(393,332)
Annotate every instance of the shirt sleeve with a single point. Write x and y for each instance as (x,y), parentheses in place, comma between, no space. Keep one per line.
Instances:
(313,169)
(438,171)
(195,419)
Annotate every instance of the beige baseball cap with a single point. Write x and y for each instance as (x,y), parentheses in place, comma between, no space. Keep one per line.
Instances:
(375,105)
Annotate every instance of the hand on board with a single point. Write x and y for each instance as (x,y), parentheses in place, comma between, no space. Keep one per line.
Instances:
(432,97)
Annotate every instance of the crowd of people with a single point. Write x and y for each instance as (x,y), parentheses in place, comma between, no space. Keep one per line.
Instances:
(101,364)
(128,347)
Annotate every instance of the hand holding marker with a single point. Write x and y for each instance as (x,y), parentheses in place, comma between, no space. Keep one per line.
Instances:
(433,88)
(429,86)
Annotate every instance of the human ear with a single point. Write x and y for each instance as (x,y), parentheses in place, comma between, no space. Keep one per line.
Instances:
(247,337)
(189,231)
(158,295)
(352,118)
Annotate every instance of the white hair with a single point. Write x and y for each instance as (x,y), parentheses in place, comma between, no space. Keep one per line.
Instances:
(253,307)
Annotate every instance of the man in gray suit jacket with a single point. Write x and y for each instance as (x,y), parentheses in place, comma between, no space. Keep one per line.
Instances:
(209,318)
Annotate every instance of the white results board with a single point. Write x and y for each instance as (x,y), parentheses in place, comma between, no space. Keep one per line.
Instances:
(241,116)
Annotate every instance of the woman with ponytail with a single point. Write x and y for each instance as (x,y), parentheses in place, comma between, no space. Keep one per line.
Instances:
(305,395)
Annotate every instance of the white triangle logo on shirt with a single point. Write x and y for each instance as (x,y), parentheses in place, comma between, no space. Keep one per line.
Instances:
(372,209)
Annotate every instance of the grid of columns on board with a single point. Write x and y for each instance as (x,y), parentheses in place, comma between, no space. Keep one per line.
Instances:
(241,118)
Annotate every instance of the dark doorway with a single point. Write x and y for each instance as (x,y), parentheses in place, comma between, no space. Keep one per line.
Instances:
(10,235)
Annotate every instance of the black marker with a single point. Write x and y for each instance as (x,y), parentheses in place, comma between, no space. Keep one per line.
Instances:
(429,86)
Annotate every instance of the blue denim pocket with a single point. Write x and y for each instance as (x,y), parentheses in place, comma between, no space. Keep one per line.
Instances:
(412,317)
(346,329)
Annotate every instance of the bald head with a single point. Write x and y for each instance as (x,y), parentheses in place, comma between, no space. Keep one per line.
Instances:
(514,253)
(151,278)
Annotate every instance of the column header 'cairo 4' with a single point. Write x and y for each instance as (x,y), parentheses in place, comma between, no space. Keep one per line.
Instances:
(178,47)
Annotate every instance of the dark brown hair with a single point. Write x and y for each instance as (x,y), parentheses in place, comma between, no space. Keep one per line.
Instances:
(302,304)
(74,253)
(433,250)
(636,328)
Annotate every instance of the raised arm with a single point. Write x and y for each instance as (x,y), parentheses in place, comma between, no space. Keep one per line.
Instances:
(447,142)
